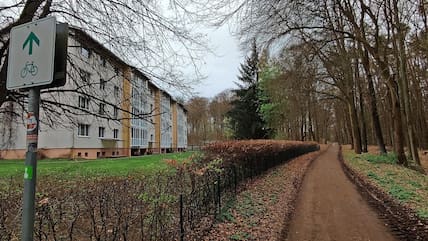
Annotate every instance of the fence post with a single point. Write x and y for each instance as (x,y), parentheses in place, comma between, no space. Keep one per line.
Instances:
(215,198)
(218,194)
(181,219)
(234,179)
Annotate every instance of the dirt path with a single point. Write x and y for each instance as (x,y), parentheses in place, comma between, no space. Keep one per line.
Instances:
(259,210)
(330,208)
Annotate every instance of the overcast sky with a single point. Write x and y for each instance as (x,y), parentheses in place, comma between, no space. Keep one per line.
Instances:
(221,68)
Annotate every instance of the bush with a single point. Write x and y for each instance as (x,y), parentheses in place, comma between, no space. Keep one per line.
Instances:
(256,156)
(158,207)
(389,158)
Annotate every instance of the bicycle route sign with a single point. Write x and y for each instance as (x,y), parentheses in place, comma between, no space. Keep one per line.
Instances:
(32,54)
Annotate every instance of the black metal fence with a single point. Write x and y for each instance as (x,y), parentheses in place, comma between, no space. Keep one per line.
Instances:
(179,205)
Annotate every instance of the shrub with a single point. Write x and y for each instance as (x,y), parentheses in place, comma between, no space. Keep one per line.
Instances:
(147,208)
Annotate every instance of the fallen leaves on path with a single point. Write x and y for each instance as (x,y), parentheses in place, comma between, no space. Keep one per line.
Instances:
(263,210)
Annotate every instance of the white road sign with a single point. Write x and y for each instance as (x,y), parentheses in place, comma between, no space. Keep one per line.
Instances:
(31,54)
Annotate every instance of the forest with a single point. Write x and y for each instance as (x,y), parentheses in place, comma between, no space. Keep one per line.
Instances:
(350,71)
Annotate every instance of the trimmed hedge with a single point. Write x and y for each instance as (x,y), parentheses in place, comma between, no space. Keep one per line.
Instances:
(171,205)
(257,155)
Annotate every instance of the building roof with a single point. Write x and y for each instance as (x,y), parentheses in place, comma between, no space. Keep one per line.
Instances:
(91,43)
(94,45)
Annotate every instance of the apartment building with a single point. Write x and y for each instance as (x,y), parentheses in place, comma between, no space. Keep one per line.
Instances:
(114,110)
(166,122)
(181,127)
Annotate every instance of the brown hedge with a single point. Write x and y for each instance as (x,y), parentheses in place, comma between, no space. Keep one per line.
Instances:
(165,206)
(257,152)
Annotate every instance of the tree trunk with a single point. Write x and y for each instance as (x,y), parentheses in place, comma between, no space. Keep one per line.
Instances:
(363,125)
(404,87)
(311,130)
(396,110)
(350,137)
(317,132)
(398,128)
(302,129)
(373,106)
(361,104)
(420,119)
(356,135)
(403,83)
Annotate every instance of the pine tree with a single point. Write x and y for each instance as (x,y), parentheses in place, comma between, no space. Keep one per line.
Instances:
(245,119)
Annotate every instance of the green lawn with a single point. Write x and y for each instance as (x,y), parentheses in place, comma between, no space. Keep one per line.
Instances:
(407,186)
(65,169)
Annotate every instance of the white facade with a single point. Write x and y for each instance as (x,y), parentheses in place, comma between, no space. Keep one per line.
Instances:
(62,131)
(166,121)
(95,122)
(181,128)
(104,84)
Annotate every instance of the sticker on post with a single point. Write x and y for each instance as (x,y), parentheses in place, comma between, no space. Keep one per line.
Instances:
(32,147)
(28,173)
(32,137)
(31,122)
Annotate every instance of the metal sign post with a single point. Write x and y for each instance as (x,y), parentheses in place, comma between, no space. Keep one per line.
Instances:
(37,60)
(30,172)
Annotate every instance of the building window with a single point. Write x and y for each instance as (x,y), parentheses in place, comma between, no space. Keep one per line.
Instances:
(85,52)
(83,130)
(85,75)
(102,84)
(115,112)
(101,131)
(116,133)
(103,62)
(116,91)
(102,109)
(84,102)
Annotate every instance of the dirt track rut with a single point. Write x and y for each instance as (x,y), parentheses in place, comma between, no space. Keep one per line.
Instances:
(330,208)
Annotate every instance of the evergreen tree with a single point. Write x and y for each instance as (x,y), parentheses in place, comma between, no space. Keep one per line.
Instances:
(273,102)
(245,119)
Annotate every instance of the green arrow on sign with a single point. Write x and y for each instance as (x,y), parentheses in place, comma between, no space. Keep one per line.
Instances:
(30,39)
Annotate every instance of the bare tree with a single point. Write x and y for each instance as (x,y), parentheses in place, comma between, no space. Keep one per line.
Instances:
(153,36)
(218,107)
(198,119)
(371,34)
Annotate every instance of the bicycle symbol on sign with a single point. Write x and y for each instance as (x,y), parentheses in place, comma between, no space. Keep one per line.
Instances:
(29,68)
